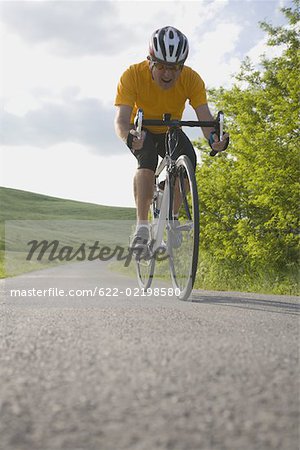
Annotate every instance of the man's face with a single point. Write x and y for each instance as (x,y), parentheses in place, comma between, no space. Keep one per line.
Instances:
(163,75)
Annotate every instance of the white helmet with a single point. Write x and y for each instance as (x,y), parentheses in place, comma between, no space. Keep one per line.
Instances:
(169,45)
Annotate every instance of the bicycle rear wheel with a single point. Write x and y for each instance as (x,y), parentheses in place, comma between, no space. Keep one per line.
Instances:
(183,236)
(145,264)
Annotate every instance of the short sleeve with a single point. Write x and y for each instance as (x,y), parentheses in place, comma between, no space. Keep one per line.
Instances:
(197,92)
(126,91)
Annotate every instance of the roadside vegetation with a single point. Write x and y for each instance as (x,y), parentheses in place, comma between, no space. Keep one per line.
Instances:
(249,196)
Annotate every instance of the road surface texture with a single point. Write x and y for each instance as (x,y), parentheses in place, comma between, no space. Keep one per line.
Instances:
(144,373)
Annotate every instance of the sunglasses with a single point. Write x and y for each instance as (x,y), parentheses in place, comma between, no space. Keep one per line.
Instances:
(173,68)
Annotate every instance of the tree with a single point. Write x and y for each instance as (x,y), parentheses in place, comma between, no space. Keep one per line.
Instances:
(249,197)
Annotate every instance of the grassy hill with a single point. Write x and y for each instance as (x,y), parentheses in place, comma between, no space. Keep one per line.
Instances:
(20,205)
(16,204)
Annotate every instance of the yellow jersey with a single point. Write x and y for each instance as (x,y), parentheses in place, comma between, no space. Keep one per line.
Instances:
(137,89)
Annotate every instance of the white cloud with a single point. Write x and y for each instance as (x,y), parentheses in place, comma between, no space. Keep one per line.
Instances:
(261,48)
(97,75)
(214,54)
(68,28)
(71,119)
(70,171)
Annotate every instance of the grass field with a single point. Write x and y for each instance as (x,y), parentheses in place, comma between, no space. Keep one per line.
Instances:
(59,216)
(25,216)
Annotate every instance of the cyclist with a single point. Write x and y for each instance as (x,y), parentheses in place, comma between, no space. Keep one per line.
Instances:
(160,84)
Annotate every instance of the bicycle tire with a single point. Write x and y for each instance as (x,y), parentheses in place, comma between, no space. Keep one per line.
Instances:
(145,266)
(183,259)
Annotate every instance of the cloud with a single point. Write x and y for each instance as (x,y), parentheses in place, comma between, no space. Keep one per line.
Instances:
(214,54)
(69,28)
(83,121)
(77,28)
(262,49)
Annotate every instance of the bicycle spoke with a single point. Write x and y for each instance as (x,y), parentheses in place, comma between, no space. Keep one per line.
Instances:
(184,190)
(145,271)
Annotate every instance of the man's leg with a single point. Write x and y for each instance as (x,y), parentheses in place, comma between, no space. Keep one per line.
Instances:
(143,193)
(143,185)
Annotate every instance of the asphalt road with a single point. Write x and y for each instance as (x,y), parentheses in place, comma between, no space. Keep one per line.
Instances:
(144,373)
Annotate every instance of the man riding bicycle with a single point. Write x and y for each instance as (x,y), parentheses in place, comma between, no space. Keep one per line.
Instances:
(161,84)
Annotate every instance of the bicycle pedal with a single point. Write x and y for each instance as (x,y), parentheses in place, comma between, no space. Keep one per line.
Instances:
(185,227)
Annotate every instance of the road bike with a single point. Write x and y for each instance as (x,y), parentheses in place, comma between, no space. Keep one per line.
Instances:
(174,235)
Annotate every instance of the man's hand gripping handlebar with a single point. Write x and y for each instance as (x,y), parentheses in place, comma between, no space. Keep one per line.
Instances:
(136,137)
(218,141)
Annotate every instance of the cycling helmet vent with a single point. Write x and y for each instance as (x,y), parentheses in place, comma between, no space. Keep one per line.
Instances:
(169,45)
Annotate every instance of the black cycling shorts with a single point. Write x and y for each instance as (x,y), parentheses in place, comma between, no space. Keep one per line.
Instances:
(154,145)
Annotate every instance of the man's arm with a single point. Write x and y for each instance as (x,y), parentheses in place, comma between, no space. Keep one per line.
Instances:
(203,113)
(122,121)
(123,128)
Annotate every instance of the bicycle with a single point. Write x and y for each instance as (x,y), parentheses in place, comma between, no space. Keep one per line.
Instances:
(177,241)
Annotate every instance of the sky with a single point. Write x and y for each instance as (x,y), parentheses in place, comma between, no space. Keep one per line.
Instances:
(61,62)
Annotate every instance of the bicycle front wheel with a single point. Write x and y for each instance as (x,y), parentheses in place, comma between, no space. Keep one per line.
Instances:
(183,234)
(145,270)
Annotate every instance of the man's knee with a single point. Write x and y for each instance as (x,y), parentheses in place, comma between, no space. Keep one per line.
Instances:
(143,184)
(144,172)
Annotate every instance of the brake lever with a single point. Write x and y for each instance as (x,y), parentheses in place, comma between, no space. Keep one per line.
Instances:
(138,122)
(219,129)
